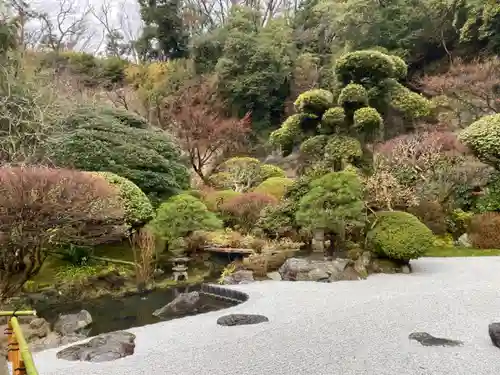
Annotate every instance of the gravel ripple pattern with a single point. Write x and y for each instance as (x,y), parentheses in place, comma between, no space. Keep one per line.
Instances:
(343,328)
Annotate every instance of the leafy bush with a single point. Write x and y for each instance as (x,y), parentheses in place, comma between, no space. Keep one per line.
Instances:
(244,173)
(95,140)
(138,208)
(277,221)
(367,120)
(458,222)
(314,101)
(333,120)
(245,209)
(399,235)
(484,230)
(483,138)
(353,93)
(411,104)
(334,202)
(275,186)
(359,66)
(180,216)
(215,199)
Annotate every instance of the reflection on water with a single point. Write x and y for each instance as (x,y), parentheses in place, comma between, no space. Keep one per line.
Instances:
(113,314)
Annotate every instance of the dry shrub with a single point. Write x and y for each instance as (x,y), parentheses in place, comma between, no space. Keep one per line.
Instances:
(432,214)
(43,208)
(484,230)
(244,210)
(144,246)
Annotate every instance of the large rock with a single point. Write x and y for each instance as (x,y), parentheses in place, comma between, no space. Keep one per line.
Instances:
(494,331)
(183,304)
(72,323)
(463,241)
(239,277)
(102,348)
(362,263)
(241,319)
(297,269)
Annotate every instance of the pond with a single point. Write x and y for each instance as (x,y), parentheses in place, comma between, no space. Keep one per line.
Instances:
(111,314)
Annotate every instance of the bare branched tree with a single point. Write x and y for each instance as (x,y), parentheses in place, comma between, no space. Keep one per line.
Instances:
(66,28)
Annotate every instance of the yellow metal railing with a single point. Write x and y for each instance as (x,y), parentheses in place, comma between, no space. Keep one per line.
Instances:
(19,354)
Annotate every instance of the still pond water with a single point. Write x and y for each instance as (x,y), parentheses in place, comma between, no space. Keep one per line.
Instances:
(113,314)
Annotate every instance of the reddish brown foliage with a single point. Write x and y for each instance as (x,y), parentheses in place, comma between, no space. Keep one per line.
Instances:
(423,143)
(245,209)
(473,88)
(42,208)
(198,121)
(484,230)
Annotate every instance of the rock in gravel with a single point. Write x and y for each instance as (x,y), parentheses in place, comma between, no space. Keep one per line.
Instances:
(241,319)
(72,323)
(297,269)
(494,331)
(102,348)
(427,339)
(239,277)
(184,303)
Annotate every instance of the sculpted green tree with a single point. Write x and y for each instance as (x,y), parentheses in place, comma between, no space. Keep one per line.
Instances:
(332,130)
(332,208)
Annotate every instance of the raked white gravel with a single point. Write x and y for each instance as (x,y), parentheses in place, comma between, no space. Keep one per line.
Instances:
(343,328)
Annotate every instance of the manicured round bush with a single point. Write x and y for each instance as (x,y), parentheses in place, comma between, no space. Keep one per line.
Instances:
(483,139)
(215,199)
(181,215)
(353,93)
(269,170)
(400,67)
(137,206)
(367,120)
(342,148)
(333,120)
(484,230)
(313,148)
(290,131)
(244,210)
(314,101)
(359,66)
(275,186)
(399,235)
(411,104)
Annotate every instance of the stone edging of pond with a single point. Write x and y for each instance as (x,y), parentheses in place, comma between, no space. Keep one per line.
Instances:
(224,293)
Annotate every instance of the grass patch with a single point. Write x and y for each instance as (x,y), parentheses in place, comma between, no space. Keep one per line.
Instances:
(448,252)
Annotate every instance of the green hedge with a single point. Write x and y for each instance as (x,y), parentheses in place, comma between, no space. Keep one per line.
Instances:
(399,235)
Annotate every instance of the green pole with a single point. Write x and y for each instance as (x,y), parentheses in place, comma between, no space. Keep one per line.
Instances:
(29,365)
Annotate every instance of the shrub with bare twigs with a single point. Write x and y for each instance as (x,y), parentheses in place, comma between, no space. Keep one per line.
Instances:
(42,209)
(143,245)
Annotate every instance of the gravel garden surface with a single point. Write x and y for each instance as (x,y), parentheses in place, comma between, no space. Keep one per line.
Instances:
(347,328)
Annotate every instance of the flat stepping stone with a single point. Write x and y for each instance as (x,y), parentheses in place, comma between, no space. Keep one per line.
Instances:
(241,319)
(427,339)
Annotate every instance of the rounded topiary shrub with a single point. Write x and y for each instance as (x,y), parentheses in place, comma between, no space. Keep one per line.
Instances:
(269,170)
(314,101)
(215,199)
(333,120)
(353,94)
(483,139)
(181,215)
(400,67)
(137,206)
(399,235)
(484,230)
(367,120)
(275,186)
(365,65)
